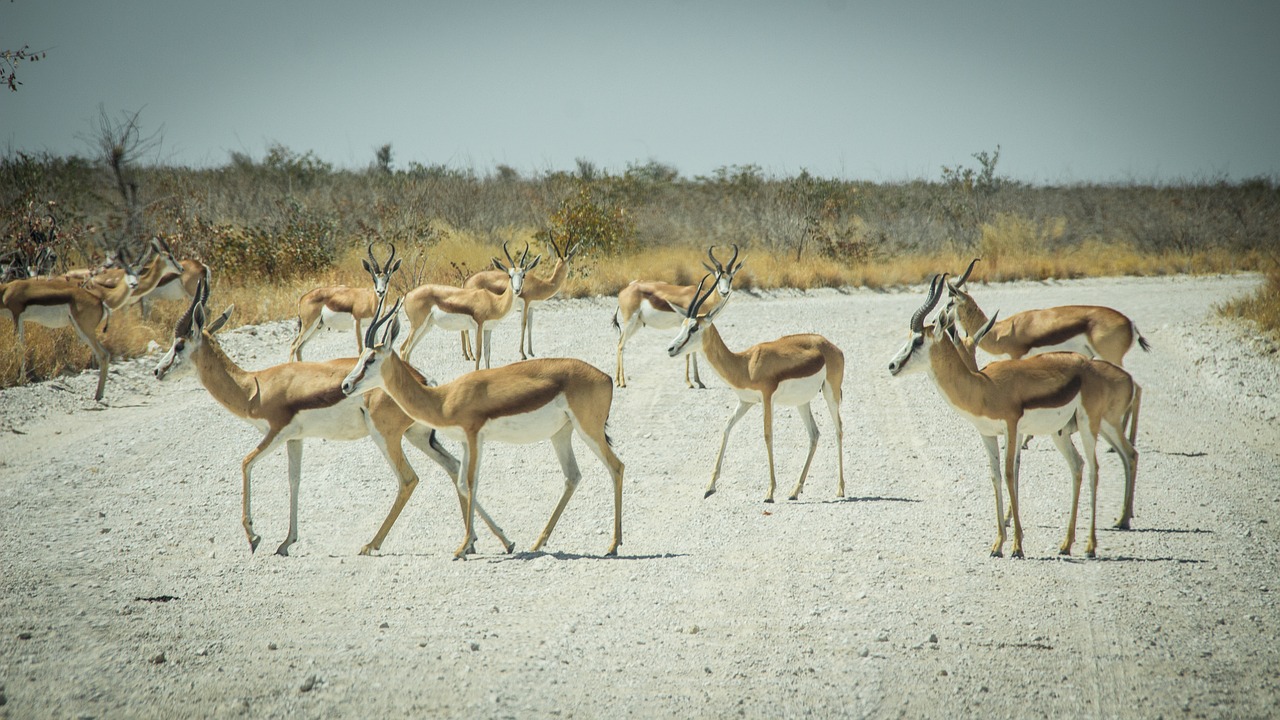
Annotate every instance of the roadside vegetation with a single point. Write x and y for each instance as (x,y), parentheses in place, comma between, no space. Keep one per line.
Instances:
(271,228)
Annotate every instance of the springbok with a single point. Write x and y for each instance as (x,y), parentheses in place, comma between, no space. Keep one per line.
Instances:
(1049,394)
(465,309)
(1091,330)
(788,371)
(521,403)
(55,303)
(653,304)
(300,400)
(535,290)
(341,307)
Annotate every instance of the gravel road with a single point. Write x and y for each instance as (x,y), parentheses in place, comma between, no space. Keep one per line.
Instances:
(127,588)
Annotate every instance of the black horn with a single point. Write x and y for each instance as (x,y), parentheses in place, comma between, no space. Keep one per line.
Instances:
(960,283)
(935,294)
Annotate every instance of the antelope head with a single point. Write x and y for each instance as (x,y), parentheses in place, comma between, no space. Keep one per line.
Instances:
(688,338)
(517,270)
(367,373)
(381,272)
(723,273)
(956,294)
(189,335)
(914,356)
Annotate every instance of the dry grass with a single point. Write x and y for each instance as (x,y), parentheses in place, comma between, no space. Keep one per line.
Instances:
(1009,251)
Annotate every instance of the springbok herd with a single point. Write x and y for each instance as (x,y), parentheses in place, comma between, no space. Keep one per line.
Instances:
(1064,375)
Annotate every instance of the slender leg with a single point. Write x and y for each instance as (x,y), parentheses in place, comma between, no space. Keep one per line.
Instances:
(359,336)
(479,343)
(833,405)
(806,415)
(562,441)
(488,347)
(741,410)
(266,447)
(20,339)
(466,345)
(628,329)
(768,443)
(470,460)
(89,337)
(1129,460)
(425,440)
(526,329)
(991,444)
(1089,443)
(294,450)
(304,335)
(691,360)
(415,336)
(595,439)
(1011,448)
(1062,439)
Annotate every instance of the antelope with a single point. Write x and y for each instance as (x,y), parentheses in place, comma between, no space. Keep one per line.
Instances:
(341,307)
(1091,330)
(535,290)
(788,371)
(1053,393)
(455,308)
(56,303)
(298,400)
(161,264)
(524,402)
(653,304)
(968,346)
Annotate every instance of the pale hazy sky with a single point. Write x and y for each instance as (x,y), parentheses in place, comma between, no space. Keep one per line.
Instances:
(1072,91)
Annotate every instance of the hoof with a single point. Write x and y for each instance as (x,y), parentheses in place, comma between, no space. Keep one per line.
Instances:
(511,546)
(283,550)
(769,500)
(253,543)
(997,553)
(1017,555)
(709,493)
(1064,551)
(1090,554)
(367,550)
(1121,525)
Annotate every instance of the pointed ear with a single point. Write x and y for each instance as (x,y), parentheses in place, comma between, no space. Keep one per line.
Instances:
(682,309)
(394,267)
(498,264)
(393,331)
(534,264)
(708,267)
(711,316)
(221,320)
(368,267)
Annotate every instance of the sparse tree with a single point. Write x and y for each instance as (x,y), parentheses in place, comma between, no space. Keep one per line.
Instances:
(382,159)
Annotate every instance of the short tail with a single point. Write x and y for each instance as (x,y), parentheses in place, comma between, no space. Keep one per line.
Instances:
(617,326)
(1142,342)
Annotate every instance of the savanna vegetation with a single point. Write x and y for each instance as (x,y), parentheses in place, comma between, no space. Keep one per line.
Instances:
(271,228)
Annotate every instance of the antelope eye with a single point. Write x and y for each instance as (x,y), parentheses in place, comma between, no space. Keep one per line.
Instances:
(917,341)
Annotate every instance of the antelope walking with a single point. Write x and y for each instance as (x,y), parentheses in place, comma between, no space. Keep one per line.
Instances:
(1050,394)
(465,309)
(654,304)
(788,371)
(534,290)
(520,403)
(300,400)
(341,307)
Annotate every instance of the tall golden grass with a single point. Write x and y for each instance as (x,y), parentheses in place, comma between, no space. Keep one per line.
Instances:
(1011,249)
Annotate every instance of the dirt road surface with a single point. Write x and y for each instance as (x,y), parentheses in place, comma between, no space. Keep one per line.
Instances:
(127,588)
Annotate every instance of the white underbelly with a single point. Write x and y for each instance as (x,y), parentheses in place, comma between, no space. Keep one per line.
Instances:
(655,318)
(54,316)
(343,421)
(797,391)
(452,321)
(172,290)
(1042,421)
(336,320)
(520,429)
(1077,344)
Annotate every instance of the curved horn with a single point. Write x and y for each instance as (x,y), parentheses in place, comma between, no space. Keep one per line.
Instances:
(392,256)
(734,258)
(960,283)
(699,297)
(183,328)
(373,259)
(378,321)
(718,267)
(507,252)
(525,256)
(982,331)
(935,294)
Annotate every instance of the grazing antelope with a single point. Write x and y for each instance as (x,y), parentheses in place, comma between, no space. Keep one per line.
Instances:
(56,303)
(535,290)
(653,304)
(787,371)
(1091,330)
(300,400)
(1050,394)
(342,307)
(520,403)
(465,309)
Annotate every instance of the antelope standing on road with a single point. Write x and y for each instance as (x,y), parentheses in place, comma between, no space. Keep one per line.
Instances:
(341,307)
